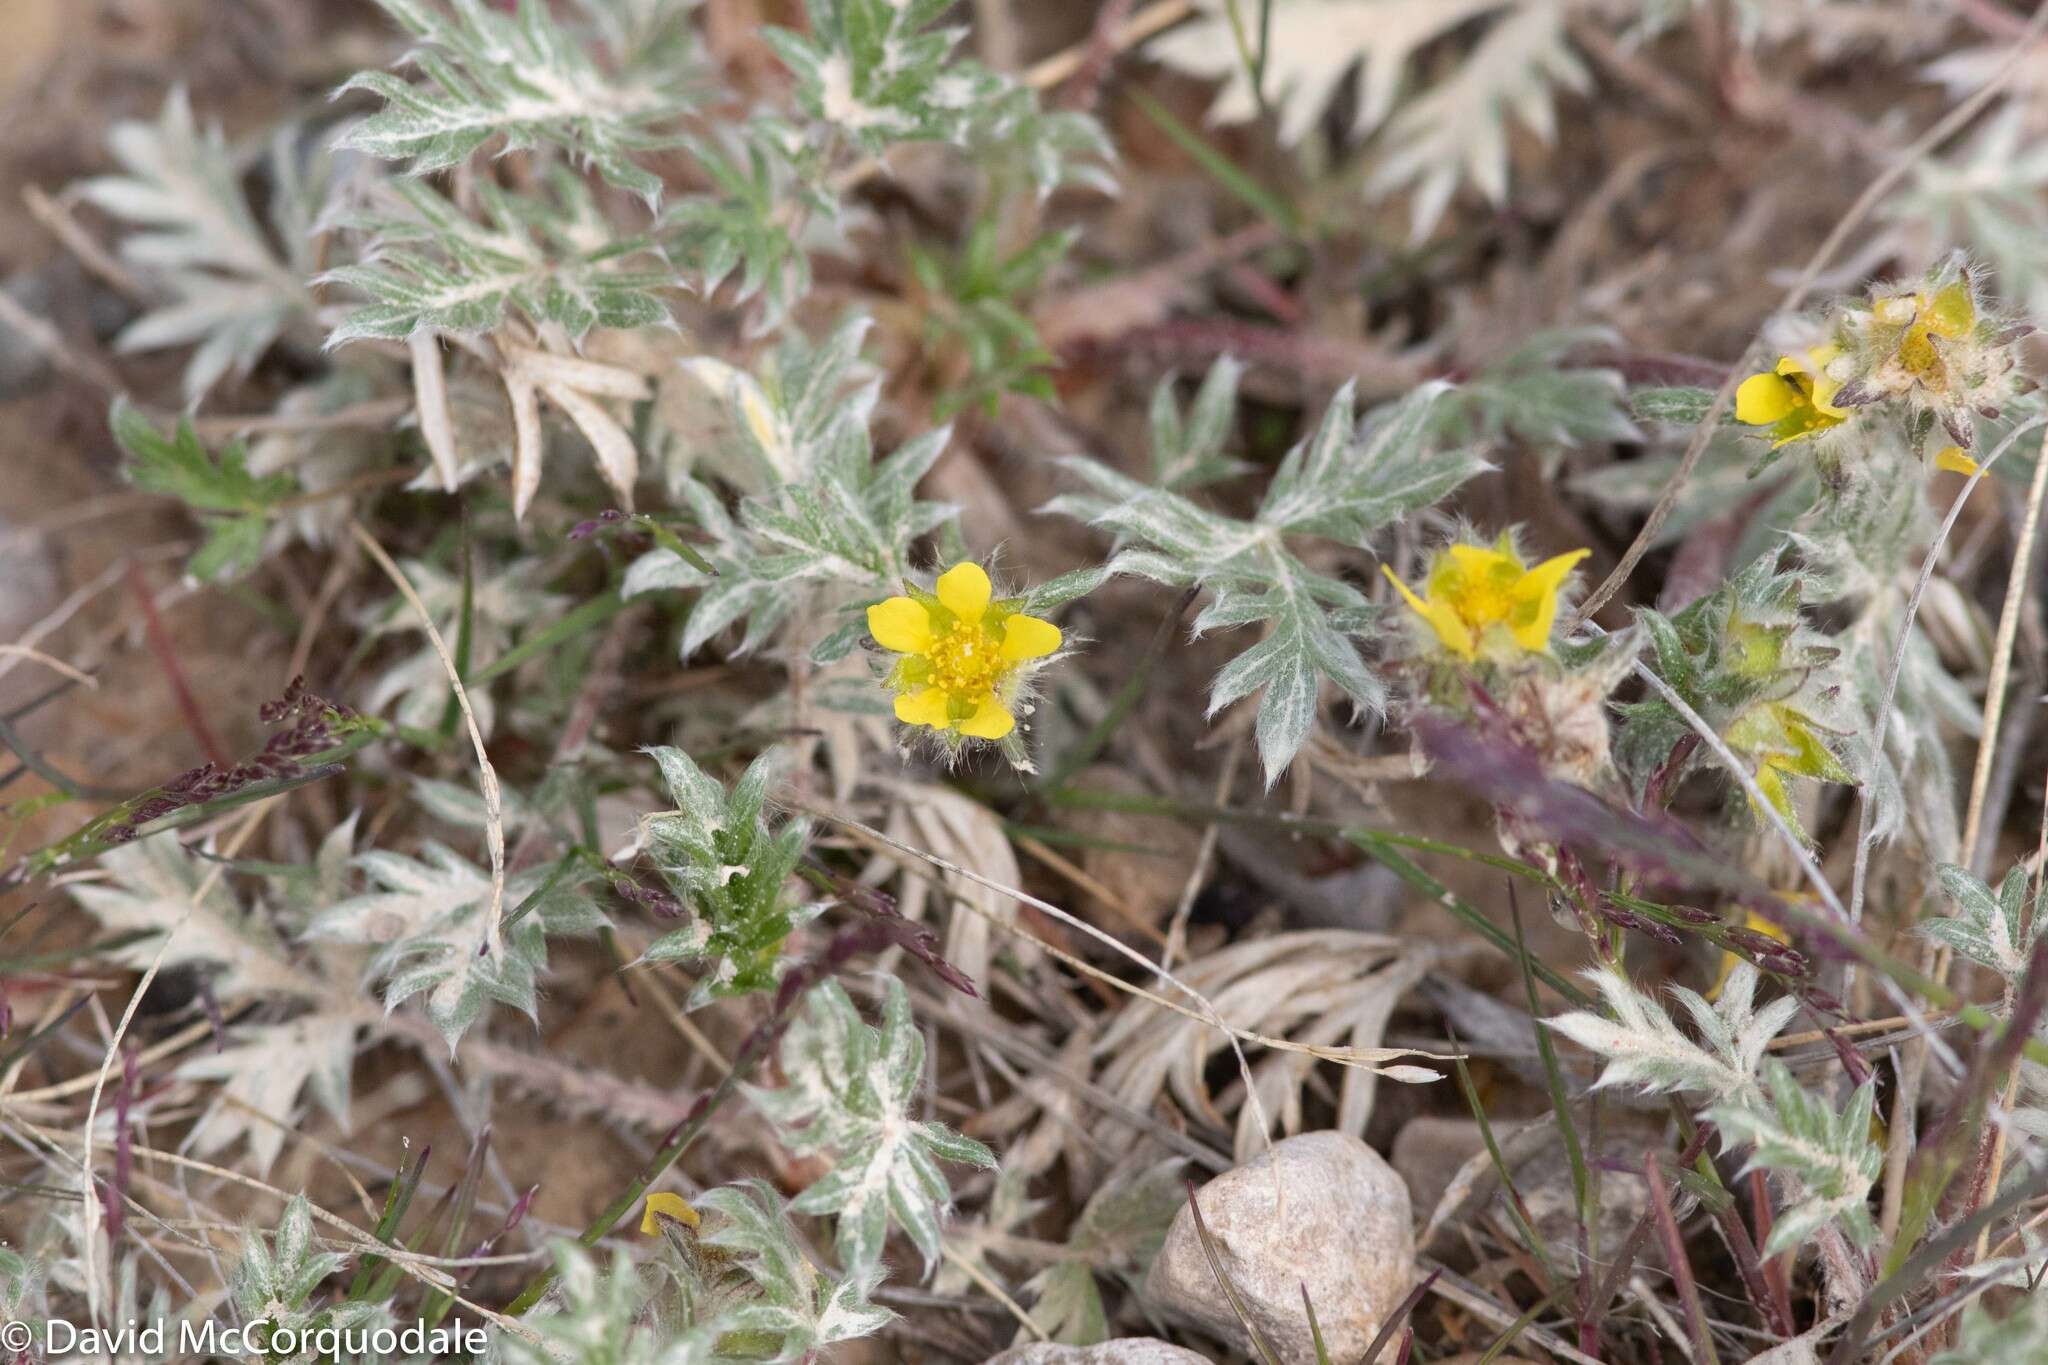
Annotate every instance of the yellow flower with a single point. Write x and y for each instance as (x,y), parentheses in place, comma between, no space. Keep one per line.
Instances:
(963,654)
(1795,400)
(669,1206)
(1471,589)
(1949,314)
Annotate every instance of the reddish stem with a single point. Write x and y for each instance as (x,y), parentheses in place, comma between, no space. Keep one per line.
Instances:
(167,659)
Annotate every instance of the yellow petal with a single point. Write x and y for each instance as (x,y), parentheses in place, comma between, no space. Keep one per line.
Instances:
(1818,388)
(900,624)
(1764,399)
(991,720)
(1954,461)
(964,590)
(1550,575)
(669,1205)
(1479,560)
(1953,313)
(1027,637)
(1450,631)
(1771,782)
(1540,585)
(925,707)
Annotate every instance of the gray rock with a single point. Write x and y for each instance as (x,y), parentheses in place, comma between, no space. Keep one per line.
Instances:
(1121,1351)
(1338,1224)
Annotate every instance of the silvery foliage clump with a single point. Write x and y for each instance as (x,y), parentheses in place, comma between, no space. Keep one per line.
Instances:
(736,1288)
(870,75)
(784,1300)
(875,73)
(427,921)
(597,1314)
(1993,929)
(279,1273)
(227,290)
(491,606)
(1866,534)
(1998,930)
(243,953)
(522,76)
(1451,131)
(552,258)
(1822,1149)
(824,522)
(729,870)
(848,1098)
(156,883)
(1347,481)
(1538,393)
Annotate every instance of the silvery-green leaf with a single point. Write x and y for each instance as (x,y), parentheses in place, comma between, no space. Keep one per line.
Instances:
(195,234)
(523,78)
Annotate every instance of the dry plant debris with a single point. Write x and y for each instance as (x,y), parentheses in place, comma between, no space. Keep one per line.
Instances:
(1296,680)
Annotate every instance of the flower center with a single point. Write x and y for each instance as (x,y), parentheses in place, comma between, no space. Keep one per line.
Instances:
(965,660)
(1486,598)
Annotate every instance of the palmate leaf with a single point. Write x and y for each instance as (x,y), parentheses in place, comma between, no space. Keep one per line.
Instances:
(1013,136)
(554,260)
(523,77)
(231,503)
(155,883)
(1311,46)
(195,234)
(1536,394)
(741,231)
(597,1313)
(829,516)
(498,602)
(803,1310)
(878,71)
(1345,482)
(1827,1148)
(1823,1150)
(849,1099)
(1454,132)
(262,1076)
(1646,1050)
(1187,446)
(426,919)
(1457,131)
(1991,929)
